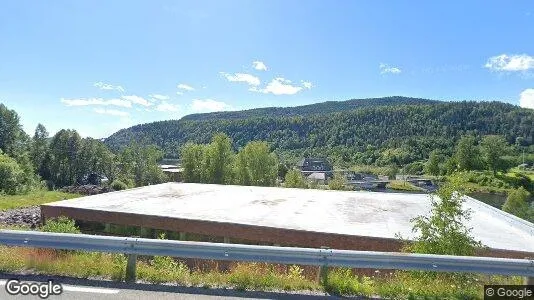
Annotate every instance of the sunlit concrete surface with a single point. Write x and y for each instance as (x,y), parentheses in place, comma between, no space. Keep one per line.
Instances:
(359,213)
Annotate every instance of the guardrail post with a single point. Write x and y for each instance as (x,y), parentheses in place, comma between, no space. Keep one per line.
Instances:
(131,267)
(323,271)
(529,280)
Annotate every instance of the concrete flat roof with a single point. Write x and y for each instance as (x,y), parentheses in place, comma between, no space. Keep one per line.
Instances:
(357,213)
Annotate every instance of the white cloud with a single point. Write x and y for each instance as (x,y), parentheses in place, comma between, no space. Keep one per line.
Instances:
(167,107)
(111,112)
(179,93)
(96,101)
(514,62)
(259,65)
(186,87)
(385,68)
(526,99)
(279,86)
(242,77)
(306,84)
(208,105)
(137,100)
(106,86)
(159,97)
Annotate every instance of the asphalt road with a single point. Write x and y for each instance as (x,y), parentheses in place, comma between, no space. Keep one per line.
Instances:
(86,289)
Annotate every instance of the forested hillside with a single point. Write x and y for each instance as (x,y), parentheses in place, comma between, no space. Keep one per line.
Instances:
(307,110)
(378,132)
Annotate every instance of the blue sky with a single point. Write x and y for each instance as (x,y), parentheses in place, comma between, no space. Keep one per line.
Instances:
(98,66)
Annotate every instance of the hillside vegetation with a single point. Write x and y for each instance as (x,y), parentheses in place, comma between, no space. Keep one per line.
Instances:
(393,130)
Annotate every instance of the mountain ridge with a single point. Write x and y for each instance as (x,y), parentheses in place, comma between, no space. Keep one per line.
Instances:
(357,130)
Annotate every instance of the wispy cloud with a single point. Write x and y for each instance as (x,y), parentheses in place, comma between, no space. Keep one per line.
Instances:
(526,99)
(510,63)
(111,112)
(279,86)
(96,101)
(107,86)
(306,84)
(137,100)
(242,77)
(208,105)
(179,93)
(385,68)
(185,87)
(159,97)
(259,65)
(167,107)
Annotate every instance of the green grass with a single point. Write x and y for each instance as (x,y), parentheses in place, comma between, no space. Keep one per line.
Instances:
(33,198)
(244,276)
(403,186)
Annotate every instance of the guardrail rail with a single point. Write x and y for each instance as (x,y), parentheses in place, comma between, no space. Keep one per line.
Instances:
(325,258)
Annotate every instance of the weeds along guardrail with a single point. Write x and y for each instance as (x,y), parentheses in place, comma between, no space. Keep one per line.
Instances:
(325,258)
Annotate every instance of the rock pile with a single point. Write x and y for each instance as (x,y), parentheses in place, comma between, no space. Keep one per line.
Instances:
(28,216)
(87,189)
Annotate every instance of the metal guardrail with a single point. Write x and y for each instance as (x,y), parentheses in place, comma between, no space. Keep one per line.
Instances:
(269,254)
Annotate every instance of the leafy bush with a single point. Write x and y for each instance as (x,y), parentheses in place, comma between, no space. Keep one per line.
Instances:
(294,179)
(337,183)
(12,176)
(517,204)
(118,185)
(60,225)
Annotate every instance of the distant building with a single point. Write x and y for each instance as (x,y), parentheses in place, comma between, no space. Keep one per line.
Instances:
(173,172)
(308,166)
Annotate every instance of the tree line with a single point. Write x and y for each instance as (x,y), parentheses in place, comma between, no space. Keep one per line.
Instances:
(28,163)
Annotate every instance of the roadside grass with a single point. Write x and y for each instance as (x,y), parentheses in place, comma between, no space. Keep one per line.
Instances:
(244,276)
(401,185)
(33,198)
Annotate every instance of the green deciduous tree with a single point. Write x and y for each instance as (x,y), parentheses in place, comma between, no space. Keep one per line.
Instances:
(39,149)
(432,165)
(492,148)
(138,165)
(10,131)
(192,157)
(256,165)
(516,203)
(218,160)
(63,157)
(444,230)
(466,153)
(294,179)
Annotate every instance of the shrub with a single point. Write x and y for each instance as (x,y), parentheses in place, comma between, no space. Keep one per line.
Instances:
(294,179)
(118,185)
(60,225)
(337,183)
(342,282)
(12,177)
(517,204)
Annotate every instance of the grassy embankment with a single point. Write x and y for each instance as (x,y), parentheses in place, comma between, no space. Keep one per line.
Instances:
(33,198)
(401,185)
(500,183)
(255,276)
